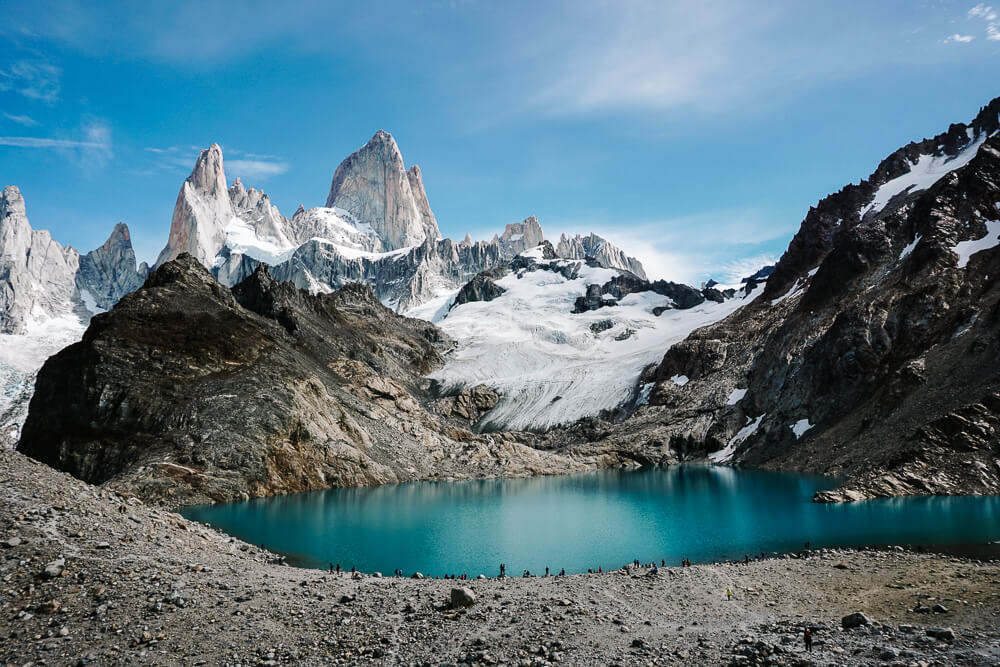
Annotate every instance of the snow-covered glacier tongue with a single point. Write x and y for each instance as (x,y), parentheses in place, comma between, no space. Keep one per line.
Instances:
(564,339)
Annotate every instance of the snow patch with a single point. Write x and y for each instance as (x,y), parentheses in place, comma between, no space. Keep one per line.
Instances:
(966,249)
(735,396)
(793,292)
(925,172)
(909,248)
(680,380)
(727,452)
(800,427)
(241,238)
(90,303)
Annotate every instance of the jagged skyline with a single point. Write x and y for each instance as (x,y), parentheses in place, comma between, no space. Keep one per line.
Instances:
(674,132)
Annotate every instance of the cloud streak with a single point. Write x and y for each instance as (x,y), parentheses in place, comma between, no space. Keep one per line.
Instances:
(27,121)
(259,169)
(34,79)
(93,149)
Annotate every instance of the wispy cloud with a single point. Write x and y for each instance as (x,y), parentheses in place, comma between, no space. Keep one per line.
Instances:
(733,271)
(957,38)
(252,166)
(94,148)
(259,169)
(27,121)
(986,13)
(34,79)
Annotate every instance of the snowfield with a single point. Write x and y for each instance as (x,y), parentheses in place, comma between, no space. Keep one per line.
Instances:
(549,367)
(21,357)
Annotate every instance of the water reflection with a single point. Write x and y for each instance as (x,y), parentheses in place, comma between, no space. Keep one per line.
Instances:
(601,519)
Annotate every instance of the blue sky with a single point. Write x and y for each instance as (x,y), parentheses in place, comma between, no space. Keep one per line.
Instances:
(694,134)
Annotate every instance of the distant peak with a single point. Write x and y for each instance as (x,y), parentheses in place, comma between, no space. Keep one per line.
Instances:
(12,201)
(208,175)
(120,232)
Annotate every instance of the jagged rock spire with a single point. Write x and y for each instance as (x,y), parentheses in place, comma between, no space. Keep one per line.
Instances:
(373,185)
(202,212)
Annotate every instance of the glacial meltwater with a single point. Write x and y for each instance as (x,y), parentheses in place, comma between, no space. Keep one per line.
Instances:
(602,519)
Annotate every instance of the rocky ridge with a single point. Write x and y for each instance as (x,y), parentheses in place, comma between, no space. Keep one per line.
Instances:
(377,228)
(872,351)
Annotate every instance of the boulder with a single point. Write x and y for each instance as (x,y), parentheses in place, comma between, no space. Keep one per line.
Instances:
(855,620)
(462,597)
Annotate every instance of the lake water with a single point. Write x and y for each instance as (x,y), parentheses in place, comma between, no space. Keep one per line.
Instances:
(601,519)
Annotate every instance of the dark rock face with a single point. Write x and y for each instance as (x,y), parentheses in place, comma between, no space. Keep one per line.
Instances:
(188,391)
(681,296)
(882,364)
(480,288)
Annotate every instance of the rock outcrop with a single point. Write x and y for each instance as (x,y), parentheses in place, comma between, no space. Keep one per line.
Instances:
(597,248)
(188,391)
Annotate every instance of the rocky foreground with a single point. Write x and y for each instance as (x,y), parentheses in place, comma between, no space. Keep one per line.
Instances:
(90,577)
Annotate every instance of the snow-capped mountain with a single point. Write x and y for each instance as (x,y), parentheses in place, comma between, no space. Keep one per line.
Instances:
(377,228)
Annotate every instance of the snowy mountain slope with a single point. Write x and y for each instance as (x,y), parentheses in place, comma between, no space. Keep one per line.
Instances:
(21,357)
(552,366)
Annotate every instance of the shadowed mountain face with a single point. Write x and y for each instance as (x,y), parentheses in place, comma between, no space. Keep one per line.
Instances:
(188,391)
(874,350)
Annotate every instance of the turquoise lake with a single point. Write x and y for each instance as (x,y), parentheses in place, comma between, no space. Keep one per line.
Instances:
(601,519)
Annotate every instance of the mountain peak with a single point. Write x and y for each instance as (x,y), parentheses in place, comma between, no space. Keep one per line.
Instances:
(12,201)
(208,176)
(374,186)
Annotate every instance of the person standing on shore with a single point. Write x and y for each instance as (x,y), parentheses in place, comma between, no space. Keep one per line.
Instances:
(729,594)
(807,636)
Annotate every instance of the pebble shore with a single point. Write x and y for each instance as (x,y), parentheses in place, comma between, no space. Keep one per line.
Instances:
(90,578)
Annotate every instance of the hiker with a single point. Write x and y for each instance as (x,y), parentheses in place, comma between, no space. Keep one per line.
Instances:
(655,569)
(729,594)
(746,559)
(562,572)
(808,637)
(503,570)
(663,562)
(546,570)
(331,568)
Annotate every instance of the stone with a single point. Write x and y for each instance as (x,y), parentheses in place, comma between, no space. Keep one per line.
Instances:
(54,569)
(944,634)
(939,609)
(462,597)
(855,620)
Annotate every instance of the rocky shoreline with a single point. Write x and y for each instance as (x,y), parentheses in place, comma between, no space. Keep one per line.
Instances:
(91,577)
